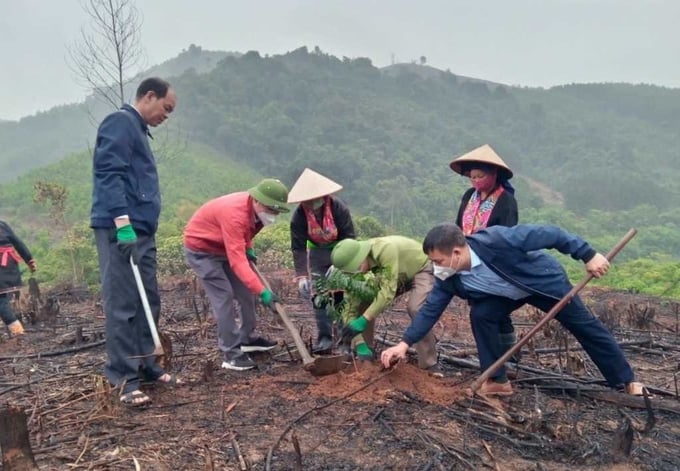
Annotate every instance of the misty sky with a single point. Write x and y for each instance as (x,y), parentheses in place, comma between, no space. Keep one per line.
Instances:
(517,42)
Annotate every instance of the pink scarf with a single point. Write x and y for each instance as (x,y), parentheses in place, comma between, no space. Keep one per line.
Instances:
(478,210)
(325,233)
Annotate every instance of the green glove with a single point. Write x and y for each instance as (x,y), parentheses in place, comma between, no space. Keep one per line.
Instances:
(359,324)
(267,297)
(127,242)
(363,352)
(353,328)
(126,234)
(250,254)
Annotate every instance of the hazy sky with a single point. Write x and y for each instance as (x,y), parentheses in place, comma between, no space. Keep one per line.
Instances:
(518,42)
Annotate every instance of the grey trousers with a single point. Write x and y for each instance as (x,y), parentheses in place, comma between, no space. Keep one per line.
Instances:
(223,287)
(128,337)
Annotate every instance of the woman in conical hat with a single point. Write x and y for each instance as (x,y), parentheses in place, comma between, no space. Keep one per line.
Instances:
(319,222)
(490,202)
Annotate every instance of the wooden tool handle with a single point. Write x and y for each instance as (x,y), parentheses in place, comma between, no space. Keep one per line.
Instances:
(278,308)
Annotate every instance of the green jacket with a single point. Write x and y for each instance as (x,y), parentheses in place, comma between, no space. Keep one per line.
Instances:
(403,258)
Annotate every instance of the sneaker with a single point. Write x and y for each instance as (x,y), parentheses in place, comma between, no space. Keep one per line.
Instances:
(492,388)
(239,363)
(258,344)
(323,345)
(435,371)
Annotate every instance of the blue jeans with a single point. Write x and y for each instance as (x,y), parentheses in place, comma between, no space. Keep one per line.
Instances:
(6,313)
(487,314)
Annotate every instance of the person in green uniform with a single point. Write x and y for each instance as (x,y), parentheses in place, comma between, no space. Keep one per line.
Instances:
(403,268)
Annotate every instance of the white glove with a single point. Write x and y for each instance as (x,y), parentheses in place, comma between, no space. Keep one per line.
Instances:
(305,288)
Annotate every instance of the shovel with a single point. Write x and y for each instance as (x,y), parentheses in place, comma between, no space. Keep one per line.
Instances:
(158,348)
(548,317)
(318,366)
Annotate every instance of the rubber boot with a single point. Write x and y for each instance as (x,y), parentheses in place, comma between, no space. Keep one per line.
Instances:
(15,329)
(507,340)
(324,342)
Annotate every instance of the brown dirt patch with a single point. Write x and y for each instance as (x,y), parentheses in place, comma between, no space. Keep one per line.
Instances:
(405,378)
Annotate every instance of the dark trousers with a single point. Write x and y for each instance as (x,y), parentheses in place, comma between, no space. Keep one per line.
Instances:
(128,337)
(487,314)
(6,313)
(318,262)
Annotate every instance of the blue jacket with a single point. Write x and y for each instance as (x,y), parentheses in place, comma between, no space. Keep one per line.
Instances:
(514,254)
(124,173)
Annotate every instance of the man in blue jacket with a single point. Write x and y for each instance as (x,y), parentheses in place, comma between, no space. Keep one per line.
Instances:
(126,203)
(498,270)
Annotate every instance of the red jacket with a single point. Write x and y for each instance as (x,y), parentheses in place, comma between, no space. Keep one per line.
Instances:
(226,226)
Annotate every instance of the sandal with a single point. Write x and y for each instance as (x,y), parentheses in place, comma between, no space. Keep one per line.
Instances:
(637,389)
(169,380)
(135,398)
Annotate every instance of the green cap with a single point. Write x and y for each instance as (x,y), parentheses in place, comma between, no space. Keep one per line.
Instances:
(271,193)
(348,254)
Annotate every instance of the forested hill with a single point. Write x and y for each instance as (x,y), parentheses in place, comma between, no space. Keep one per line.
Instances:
(607,153)
(608,146)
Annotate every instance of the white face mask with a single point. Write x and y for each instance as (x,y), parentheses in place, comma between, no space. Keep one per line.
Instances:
(266,218)
(444,273)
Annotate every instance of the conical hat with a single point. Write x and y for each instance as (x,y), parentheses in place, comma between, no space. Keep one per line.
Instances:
(311,185)
(484,154)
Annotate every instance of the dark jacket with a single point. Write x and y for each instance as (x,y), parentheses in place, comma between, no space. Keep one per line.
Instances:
(504,212)
(299,237)
(124,173)
(515,254)
(10,276)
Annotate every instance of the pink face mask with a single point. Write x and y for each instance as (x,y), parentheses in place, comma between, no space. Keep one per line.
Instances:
(486,183)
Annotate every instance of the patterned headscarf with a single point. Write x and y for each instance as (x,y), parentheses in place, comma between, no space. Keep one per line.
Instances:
(477,211)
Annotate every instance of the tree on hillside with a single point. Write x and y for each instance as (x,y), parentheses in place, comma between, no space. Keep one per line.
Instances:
(55,196)
(109,51)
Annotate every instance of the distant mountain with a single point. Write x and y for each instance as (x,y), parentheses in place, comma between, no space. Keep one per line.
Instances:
(195,57)
(428,72)
(37,140)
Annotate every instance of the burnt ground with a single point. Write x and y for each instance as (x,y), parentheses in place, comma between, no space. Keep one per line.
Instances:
(281,417)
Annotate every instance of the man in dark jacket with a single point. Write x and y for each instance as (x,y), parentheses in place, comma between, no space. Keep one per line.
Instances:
(126,203)
(12,251)
(498,270)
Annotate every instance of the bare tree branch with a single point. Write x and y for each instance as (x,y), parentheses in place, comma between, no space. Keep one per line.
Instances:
(108,52)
